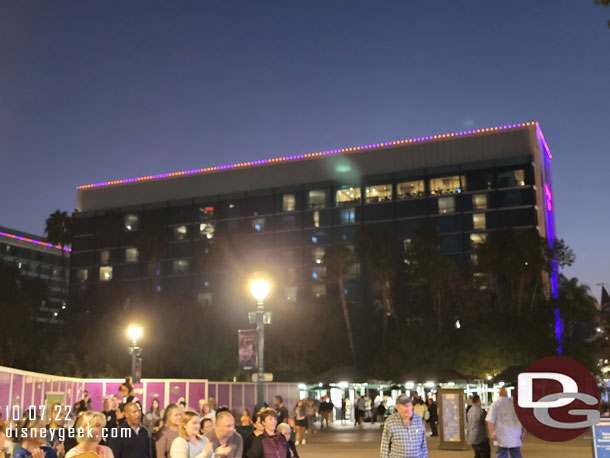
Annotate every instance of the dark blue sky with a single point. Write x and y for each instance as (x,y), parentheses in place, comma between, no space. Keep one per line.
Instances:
(98,90)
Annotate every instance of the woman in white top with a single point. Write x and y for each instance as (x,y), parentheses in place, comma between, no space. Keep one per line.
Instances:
(96,421)
(189,444)
(207,412)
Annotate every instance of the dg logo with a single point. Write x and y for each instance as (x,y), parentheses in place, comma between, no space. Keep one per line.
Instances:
(557,399)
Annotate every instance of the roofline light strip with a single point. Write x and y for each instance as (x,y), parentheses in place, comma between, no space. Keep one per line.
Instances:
(313,155)
(37,242)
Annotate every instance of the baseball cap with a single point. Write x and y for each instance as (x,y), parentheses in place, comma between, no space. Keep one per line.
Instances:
(403,399)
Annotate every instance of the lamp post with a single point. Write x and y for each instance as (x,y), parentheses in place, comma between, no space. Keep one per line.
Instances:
(135,332)
(260,289)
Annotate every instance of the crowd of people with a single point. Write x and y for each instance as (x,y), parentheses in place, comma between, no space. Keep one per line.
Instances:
(123,430)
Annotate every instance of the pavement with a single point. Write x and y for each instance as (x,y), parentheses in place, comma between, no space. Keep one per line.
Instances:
(351,442)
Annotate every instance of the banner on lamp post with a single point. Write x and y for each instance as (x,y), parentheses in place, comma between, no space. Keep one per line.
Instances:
(248,354)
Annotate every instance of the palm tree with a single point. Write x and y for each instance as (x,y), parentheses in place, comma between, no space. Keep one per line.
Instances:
(338,259)
(377,248)
(58,227)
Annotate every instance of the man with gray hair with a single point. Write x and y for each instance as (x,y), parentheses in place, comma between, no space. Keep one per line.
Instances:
(504,427)
(404,433)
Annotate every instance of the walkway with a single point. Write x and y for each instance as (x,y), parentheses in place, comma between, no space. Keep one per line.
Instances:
(347,441)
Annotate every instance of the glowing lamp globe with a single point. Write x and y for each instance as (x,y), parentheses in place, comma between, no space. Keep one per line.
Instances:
(134,332)
(260,289)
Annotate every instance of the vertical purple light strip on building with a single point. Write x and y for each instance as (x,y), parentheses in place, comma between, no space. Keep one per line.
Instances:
(550,230)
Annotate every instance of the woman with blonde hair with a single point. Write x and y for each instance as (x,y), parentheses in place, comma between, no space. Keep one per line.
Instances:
(94,422)
(189,444)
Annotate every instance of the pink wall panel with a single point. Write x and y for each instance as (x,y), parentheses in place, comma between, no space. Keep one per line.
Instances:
(237,404)
(250,396)
(177,390)
(212,391)
(196,392)
(155,390)
(28,388)
(5,389)
(38,385)
(96,391)
(112,388)
(223,394)
(18,390)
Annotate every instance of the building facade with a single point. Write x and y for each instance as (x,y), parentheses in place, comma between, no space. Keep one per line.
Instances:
(36,258)
(463,184)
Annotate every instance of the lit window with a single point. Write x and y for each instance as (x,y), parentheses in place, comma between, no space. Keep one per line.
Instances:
(131,222)
(406,244)
(106,273)
(446,204)
(479,201)
(348,215)
(447,185)
(131,255)
(204,299)
(317,198)
(180,232)
(290,292)
(410,189)
(82,275)
(474,259)
(478,220)
(207,230)
(316,219)
(104,257)
(180,266)
(348,195)
(206,212)
(318,290)
(288,202)
(511,178)
(481,281)
(258,224)
(477,239)
(378,193)
(318,255)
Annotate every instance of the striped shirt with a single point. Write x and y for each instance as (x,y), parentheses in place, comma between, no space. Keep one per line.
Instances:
(400,441)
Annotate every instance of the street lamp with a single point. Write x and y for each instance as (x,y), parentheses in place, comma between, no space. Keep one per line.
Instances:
(260,287)
(135,332)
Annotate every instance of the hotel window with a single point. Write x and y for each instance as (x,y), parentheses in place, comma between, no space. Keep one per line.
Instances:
(204,299)
(479,201)
(131,222)
(481,281)
(291,275)
(410,189)
(290,292)
(378,193)
(318,290)
(477,239)
(258,224)
(288,202)
(474,259)
(316,198)
(131,255)
(206,230)
(318,273)
(447,185)
(511,179)
(348,215)
(106,273)
(316,219)
(180,266)
(180,232)
(206,212)
(446,205)
(478,221)
(82,275)
(318,255)
(348,196)
(104,257)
